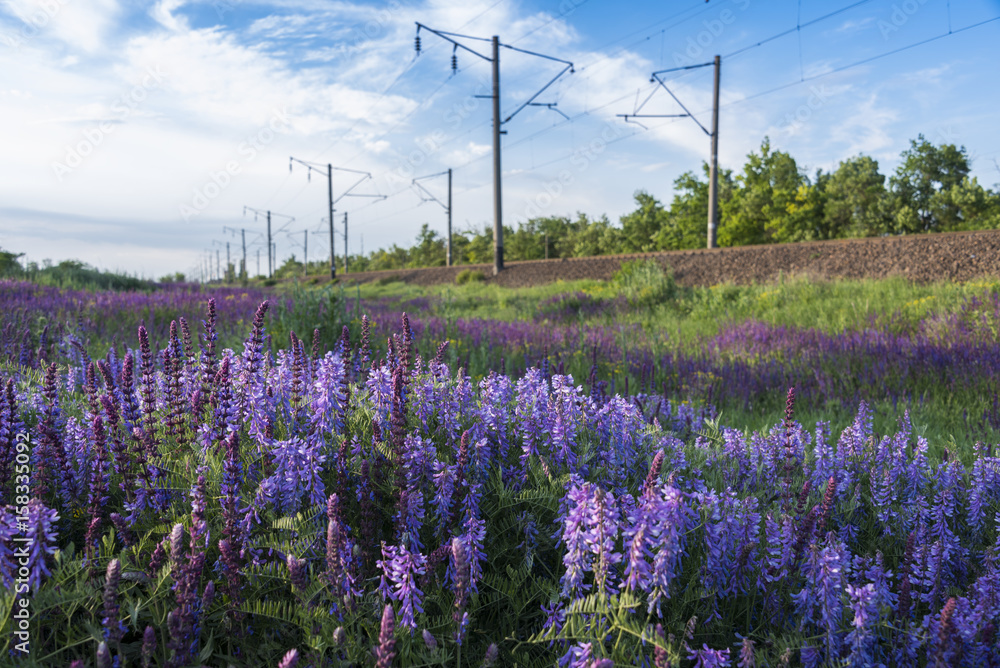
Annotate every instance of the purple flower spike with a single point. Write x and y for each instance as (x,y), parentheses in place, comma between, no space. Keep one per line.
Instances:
(660,657)
(112,627)
(429,640)
(491,656)
(297,572)
(385,653)
(710,658)
(148,646)
(747,659)
(42,537)
(290,660)
(104,656)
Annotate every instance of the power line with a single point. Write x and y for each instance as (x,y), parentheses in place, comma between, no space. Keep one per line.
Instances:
(858,63)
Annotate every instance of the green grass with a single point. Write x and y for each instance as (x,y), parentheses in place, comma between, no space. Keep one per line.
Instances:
(832,306)
(694,314)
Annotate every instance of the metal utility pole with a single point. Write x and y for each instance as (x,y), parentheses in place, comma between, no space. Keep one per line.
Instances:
(258,262)
(498,124)
(448,247)
(218,269)
(497,198)
(271,247)
(229,262)
(428,196)
(313,166)
(345,242)
(305,252)
(329,199)
(713,167)
(243,268)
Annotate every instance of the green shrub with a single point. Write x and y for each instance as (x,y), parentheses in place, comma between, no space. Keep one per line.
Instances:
(469,276)
(645,282)
(387,280)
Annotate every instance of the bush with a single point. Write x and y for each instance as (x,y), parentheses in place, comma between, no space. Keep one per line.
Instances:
(645,282)
(469,276)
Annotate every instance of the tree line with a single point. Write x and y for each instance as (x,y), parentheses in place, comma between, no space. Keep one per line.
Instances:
(772,200)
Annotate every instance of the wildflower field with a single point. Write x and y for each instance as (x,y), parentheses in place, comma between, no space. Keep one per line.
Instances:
(442,491)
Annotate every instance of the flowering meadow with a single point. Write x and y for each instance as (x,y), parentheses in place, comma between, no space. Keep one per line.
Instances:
(371,504)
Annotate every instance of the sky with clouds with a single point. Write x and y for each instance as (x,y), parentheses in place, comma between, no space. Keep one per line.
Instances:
(135,133)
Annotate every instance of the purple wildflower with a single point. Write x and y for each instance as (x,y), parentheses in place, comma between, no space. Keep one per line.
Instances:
(385,652)
(148,646)
(864,605)
(41,540)
(113,628)
(710,658)
(290,660)
(400,568)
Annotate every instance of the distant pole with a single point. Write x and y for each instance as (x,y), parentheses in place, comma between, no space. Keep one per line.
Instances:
(713,176)
(258,262)
(218,268)
(345,242)
(497,199)
(329,192)
(270,265)
(274,254)
(305,252)
(244,250)
(449,217)
(228,261)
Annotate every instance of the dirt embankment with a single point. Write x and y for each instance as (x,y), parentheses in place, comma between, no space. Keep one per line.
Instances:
(958,256)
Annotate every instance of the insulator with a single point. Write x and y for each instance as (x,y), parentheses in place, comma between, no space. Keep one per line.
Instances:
(454,63)
(416,43)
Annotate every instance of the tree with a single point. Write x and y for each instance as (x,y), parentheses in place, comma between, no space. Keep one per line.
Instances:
(686,225)
(430,249)
(966,206)
(926,170)
(759,210)
(855,200)
(587,238)
(640,227)
(8,263)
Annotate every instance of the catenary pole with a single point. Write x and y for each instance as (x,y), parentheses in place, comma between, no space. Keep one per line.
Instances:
(449,218)
(497,196)
(345,243)
(329,195)
(713,177)
(270,265)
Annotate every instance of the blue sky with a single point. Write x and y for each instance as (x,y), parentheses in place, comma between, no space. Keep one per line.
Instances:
(135,132)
